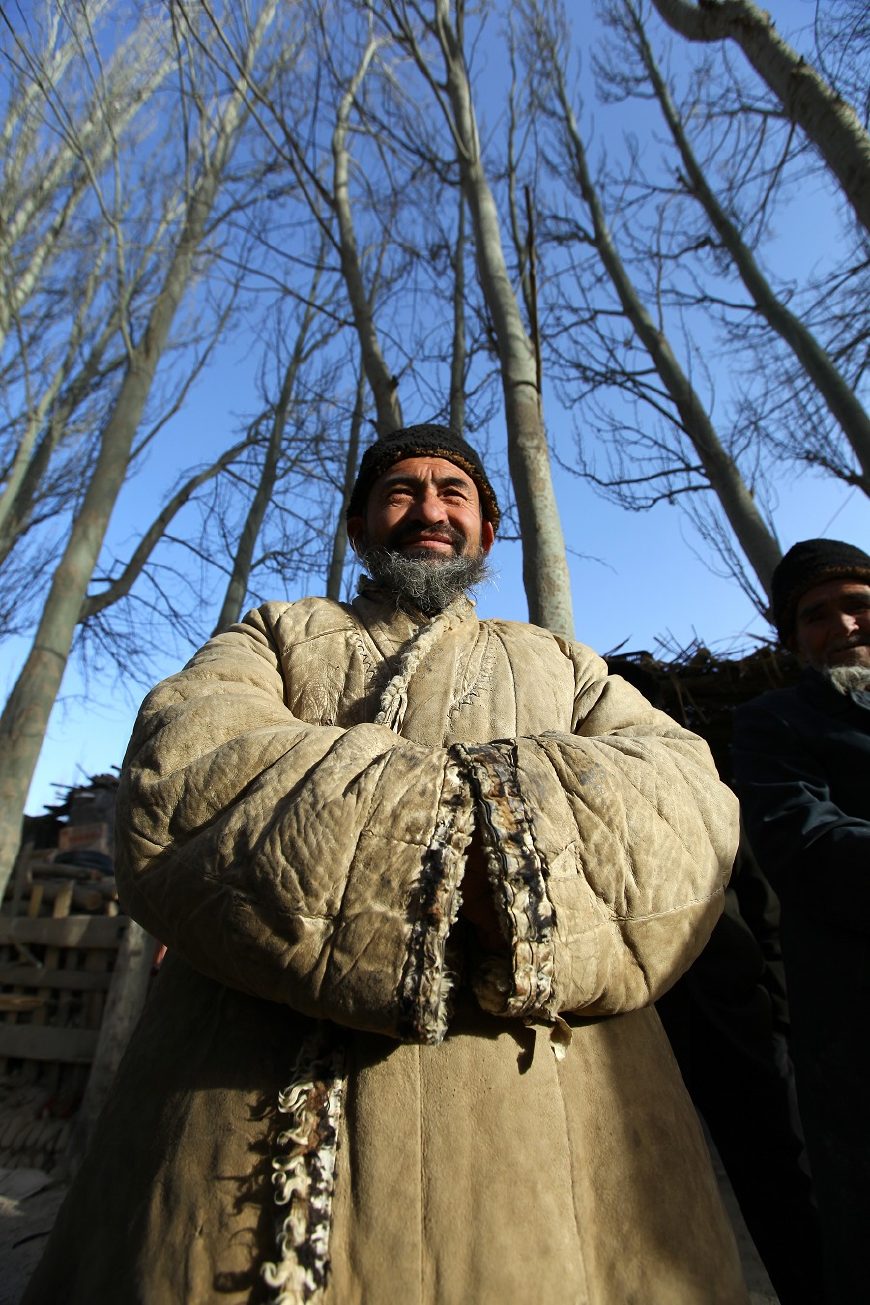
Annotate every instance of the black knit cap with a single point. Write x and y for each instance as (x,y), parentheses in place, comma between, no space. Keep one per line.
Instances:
(811,562)
(424,441)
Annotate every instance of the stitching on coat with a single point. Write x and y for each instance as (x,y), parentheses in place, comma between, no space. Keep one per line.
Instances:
(304,1177)
(367,661)
(633,951)
(513,694)
(481,682)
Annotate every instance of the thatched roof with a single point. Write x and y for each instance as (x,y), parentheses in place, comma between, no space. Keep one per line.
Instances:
(701,690)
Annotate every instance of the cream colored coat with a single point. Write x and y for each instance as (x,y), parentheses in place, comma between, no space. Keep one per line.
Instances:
(305,869)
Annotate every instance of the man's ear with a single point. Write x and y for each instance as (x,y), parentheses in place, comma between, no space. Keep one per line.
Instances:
(487,536)
(355,528)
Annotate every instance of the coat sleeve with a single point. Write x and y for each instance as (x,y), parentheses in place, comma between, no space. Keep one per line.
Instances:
(797,832)
(310,865)
(608,848)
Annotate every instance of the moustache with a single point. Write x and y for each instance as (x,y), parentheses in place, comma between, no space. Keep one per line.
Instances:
(412,533)
(858,641)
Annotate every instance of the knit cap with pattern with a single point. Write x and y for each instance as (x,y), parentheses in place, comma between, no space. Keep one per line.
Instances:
(427,440)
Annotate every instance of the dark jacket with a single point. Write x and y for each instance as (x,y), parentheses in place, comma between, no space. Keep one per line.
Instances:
(802,771)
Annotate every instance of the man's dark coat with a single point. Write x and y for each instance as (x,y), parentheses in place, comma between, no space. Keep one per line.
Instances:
(802,770)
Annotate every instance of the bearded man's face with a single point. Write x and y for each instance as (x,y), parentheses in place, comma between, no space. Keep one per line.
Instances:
(832,625)
(424,535)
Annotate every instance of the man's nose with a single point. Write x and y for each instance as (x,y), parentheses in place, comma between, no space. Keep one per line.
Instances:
(847,623)
(429,509)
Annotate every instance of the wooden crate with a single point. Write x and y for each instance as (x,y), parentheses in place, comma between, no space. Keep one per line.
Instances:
(56,968)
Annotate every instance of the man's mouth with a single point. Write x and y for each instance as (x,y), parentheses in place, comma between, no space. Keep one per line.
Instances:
(426,542)
(429,544)
(843,651)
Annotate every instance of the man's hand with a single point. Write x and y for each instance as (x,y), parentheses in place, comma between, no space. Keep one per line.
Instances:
(477,903)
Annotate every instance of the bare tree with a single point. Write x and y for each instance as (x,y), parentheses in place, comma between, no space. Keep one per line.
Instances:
(545,568)
(806,98)
(718,469)
(24,719)
(67,112)
(55,141)
(842,38)
(384,386)
(328,194)
(838,395)
(338,553)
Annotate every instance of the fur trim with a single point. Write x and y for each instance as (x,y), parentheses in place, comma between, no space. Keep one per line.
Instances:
(304,1177)
(428,980)
(524,982)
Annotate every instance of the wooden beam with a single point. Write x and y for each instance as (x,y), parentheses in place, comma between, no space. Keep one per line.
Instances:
(71,931)
(32,976)
(123,1007)
(41,1042)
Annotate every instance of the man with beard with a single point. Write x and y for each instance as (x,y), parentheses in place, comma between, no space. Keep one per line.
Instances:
(802,767)
(420,877)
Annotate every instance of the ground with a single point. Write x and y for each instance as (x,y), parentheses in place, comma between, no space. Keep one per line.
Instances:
(29,1201)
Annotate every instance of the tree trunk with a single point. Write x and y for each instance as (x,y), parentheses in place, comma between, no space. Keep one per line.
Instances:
(45,430)
(546,576)
(339,540)
(808,100)
(752,533)
(384,386)
(458,360)
(25,716)
(840,399)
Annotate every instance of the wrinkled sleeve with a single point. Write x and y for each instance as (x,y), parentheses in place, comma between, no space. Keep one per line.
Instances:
(310,865)
(608,848)
(797,832)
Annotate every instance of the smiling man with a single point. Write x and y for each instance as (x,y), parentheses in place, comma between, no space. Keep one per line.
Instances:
(421,877)
(420,525)
(802,766)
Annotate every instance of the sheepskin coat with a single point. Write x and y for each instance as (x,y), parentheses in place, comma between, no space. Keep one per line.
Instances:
(334,1094)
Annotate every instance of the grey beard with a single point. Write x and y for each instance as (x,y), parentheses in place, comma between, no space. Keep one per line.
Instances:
(847,679)
(429,583)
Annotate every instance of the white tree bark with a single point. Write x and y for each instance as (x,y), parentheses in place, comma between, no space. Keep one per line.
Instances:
(807,99)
